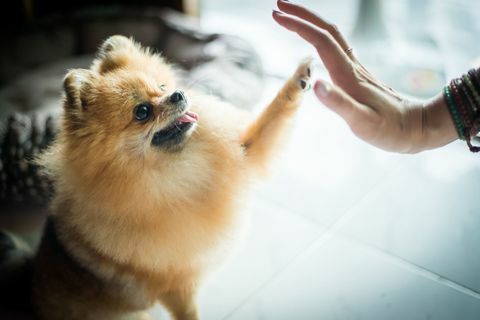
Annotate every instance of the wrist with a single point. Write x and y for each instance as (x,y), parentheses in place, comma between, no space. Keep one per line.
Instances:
(437,124)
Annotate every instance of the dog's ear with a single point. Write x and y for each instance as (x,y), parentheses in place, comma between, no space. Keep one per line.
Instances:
(77,85)
(115,43)
(113,53)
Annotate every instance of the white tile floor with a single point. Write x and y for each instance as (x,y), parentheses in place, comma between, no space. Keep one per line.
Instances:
(341,230)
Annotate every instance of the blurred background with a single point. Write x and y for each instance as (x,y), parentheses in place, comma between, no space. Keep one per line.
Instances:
(339,230)
(342,230)
(413,45)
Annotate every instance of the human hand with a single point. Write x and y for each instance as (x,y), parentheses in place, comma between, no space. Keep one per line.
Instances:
(373,111)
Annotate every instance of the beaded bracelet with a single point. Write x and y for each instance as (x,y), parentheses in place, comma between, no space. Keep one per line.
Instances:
(462,97)
(462,108)
(453,112)
(467,94)
(475,76)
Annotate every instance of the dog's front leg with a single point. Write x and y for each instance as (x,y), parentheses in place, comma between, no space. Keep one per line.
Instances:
(263,135)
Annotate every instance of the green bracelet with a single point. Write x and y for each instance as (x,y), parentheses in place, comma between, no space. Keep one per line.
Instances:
(452,108)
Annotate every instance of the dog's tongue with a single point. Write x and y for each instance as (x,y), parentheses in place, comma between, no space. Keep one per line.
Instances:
(189,116)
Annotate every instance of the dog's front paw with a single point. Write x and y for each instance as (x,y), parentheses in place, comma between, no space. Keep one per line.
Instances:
(293,90)
(303,74)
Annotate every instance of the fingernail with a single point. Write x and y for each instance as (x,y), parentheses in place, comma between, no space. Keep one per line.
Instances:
(322,89)
(276,11)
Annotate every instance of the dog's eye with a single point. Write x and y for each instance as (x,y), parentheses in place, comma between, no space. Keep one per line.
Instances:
(162,87)
(142,112)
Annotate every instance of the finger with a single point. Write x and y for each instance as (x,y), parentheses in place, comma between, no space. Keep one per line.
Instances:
(360,118)
(334,58)
(303,13)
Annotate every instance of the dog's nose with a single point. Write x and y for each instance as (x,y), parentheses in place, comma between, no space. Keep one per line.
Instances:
(177,96)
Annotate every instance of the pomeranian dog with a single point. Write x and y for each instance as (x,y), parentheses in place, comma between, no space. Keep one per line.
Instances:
(147,179)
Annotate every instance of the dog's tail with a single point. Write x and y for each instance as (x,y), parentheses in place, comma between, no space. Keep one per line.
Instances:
(16,265)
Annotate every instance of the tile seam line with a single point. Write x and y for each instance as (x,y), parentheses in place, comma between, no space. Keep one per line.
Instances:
(315,243)
(402,263)
(415,268)
(323,238)
(274,202)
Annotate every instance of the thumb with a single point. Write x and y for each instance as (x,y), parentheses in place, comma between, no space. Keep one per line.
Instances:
(334,98)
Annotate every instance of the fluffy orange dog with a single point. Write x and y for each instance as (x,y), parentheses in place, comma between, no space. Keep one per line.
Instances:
(146,180)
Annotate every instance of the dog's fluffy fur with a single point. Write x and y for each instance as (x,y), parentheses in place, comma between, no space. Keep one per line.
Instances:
(134,223)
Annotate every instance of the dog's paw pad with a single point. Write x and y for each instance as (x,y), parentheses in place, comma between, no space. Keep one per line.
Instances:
(305,85)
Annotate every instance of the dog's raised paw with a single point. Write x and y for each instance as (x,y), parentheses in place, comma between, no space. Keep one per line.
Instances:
(304,73)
